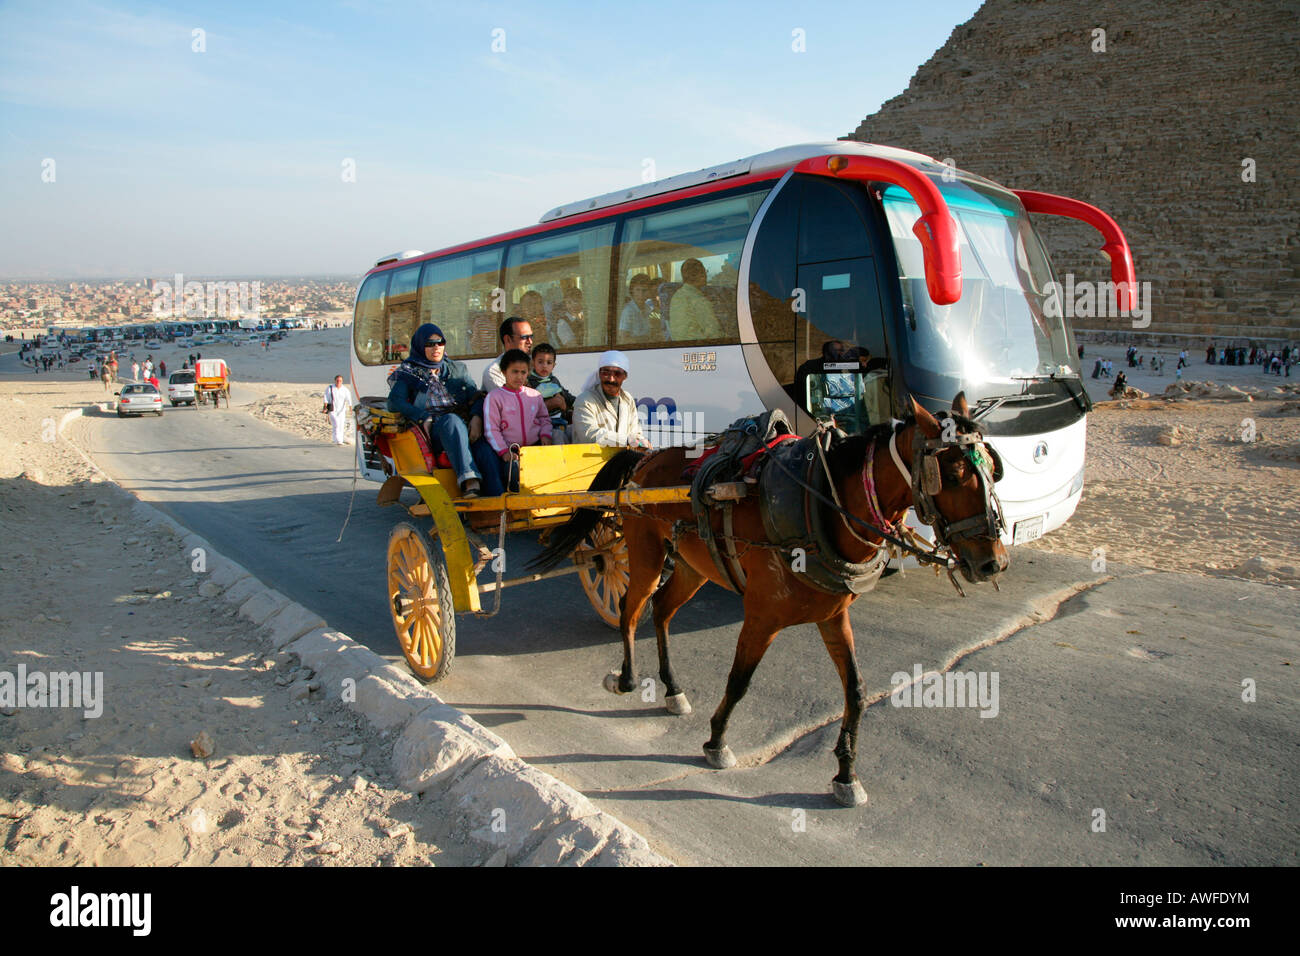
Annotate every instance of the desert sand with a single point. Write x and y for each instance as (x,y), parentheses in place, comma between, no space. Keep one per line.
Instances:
(301,782)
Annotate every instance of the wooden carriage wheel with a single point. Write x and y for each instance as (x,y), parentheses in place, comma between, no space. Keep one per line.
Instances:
(419,599)
(605,580)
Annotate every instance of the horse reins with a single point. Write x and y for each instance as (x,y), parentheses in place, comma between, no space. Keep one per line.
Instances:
(927,557)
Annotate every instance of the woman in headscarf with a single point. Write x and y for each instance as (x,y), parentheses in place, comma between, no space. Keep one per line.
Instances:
(430,389)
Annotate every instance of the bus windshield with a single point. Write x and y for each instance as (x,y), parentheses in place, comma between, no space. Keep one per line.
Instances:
(998,333)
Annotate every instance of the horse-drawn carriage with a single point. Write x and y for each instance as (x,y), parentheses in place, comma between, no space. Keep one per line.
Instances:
(212,382)
(799,527)
(433,576)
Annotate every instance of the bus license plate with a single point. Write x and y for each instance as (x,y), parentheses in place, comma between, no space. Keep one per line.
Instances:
(1028,530)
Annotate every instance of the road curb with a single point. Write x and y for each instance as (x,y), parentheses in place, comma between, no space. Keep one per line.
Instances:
(517,813)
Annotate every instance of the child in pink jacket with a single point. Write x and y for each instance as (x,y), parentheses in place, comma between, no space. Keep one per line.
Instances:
(515,415)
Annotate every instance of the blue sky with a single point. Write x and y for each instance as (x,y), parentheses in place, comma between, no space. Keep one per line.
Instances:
(230,161)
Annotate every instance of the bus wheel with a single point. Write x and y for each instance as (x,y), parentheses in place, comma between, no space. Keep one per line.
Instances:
(419,600)
(604,575)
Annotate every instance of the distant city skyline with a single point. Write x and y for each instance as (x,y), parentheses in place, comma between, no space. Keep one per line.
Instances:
(236,142)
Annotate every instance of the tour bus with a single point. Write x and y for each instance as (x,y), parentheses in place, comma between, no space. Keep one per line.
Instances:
(838,279)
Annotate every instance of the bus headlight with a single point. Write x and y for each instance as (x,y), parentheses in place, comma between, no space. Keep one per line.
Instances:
(1076,485)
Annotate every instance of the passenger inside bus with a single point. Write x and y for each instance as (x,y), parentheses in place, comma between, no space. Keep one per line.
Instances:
(532,309)
(634,322)
(690,314)
(569,320)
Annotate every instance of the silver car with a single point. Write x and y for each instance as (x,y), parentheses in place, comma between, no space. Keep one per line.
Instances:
(137,399)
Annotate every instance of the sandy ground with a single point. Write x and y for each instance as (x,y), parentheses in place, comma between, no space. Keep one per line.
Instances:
(290,782)
(1209,502)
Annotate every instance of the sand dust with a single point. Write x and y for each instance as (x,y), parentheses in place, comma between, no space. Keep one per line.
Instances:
(290,782)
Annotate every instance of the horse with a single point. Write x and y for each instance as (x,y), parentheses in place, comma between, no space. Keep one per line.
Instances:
(950,482)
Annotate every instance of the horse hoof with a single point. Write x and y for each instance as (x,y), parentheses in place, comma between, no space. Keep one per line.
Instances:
(677,704)
(849,794)
(612,682)
(720,758)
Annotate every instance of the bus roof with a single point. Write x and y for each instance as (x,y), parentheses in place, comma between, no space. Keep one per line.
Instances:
(762,166)
(773,160)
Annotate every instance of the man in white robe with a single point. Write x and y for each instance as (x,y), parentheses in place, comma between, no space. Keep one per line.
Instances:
(338,406)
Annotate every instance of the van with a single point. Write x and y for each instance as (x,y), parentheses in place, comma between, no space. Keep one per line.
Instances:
(180,387)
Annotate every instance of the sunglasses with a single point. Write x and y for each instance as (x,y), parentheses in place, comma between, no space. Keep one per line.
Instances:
(434,344)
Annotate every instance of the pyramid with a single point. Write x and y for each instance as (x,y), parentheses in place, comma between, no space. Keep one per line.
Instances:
(1152,122)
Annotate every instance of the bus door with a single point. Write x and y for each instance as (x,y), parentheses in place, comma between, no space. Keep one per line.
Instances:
(842,369)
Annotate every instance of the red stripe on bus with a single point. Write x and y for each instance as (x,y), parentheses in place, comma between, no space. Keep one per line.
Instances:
(602,213)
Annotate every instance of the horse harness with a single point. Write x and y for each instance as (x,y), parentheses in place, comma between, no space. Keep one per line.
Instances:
(798,502)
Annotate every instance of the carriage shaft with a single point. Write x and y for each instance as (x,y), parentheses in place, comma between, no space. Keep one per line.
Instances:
(578,499)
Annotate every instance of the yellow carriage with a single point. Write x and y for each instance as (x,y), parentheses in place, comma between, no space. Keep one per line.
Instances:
(434,575)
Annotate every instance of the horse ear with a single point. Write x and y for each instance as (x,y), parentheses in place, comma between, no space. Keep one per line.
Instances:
(929,427)
(959,405)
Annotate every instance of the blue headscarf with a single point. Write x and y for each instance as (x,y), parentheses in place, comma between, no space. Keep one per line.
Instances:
(416,370)
(418,341)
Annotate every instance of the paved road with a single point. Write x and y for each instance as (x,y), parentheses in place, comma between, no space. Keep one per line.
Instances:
(1118,692)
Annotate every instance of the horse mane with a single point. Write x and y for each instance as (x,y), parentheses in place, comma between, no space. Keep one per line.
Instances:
(847,457)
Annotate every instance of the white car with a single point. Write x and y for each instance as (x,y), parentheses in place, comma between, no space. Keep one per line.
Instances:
(153,344)
(180,387)
(138,398)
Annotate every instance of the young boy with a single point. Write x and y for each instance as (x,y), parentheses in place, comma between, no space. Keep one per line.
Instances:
(548,386)
(515,415)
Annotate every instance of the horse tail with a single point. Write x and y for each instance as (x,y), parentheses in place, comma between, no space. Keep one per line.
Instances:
(564,539)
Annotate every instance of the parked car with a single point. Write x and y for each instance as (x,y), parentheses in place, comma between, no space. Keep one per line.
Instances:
(180,387)
(153,344)
(138,398)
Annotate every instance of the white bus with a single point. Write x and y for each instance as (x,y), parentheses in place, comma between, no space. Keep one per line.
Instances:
(841,278)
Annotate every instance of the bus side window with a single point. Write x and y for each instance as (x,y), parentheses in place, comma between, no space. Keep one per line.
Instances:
(402,289)
(457,296)
(693,251)
(571,271)
(368,322)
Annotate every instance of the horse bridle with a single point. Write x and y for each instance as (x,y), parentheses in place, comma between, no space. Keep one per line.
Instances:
(927,481)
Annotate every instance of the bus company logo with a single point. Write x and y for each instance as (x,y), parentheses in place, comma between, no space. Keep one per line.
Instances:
(199,300)
(55,689)
(665,426)
(1097,300)
(953,689)
(699,361)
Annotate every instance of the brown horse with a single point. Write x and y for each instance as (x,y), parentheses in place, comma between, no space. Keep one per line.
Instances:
(776,595)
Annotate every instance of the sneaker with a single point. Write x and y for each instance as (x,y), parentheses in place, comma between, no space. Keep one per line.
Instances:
(469,488)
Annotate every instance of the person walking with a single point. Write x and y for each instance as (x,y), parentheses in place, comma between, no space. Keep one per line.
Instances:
(338,406)
(135,371)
